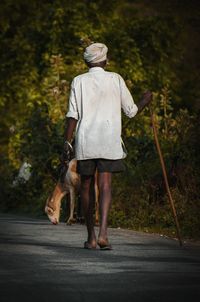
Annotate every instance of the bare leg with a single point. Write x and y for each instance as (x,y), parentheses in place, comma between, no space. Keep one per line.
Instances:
(104,184)
(88,202)
(96,201)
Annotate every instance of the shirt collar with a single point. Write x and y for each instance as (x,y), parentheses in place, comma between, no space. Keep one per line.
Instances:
(94,69)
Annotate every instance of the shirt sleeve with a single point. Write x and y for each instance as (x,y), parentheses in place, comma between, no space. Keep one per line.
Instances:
(73,109)
(128,106)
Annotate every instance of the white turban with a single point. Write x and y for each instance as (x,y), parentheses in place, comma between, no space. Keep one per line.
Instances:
(95,53)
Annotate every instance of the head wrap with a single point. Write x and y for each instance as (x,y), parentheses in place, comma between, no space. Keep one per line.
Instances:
(95,53)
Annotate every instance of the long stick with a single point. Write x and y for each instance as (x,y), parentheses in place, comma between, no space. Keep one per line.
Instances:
(165,177)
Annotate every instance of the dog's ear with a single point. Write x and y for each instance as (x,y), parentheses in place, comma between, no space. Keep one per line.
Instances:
(50,205)
(49,211)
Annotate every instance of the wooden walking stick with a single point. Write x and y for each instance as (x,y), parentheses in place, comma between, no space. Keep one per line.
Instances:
(165,176)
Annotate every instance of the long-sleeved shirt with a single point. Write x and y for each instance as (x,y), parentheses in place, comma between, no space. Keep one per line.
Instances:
(96,100)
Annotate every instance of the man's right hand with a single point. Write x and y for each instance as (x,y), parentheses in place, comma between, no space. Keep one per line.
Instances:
(147,97)
(145,100)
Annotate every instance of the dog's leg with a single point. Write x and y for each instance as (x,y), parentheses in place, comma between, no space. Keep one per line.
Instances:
(72,205)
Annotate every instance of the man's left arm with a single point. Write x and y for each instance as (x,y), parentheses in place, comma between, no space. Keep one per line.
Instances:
(70,127)
(68,151)
(72,119)
(72,114)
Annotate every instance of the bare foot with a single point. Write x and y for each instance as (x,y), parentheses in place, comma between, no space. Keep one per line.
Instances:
(104,244)
(90,244)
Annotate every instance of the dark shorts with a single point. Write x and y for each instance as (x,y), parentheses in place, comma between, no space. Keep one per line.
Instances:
(89,166)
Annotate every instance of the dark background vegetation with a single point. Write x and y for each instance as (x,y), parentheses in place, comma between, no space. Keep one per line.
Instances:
(153,45)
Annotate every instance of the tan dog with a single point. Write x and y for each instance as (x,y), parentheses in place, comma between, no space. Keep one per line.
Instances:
(70,186)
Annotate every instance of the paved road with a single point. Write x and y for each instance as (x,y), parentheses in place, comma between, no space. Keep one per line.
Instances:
(42,262)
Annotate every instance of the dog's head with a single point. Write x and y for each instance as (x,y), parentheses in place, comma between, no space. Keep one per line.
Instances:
(51,211)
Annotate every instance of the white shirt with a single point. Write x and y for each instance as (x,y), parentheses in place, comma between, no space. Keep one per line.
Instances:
(96,100)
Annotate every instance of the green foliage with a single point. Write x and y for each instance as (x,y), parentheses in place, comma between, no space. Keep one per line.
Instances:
(151,46)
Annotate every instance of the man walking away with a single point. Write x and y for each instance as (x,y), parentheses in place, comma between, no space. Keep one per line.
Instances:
(95,104)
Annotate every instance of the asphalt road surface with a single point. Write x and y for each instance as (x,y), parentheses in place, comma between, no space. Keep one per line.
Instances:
(43,262)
